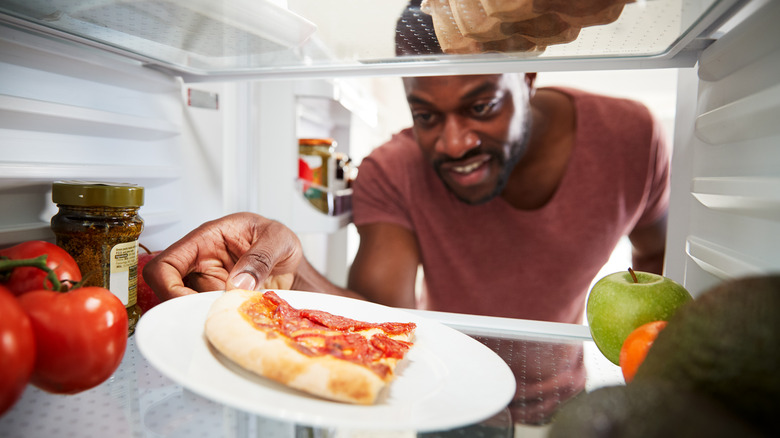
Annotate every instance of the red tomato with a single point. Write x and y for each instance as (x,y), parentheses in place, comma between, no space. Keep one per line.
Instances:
(80,337)
(24,279)
(636,345)
(17,350)
(146,296)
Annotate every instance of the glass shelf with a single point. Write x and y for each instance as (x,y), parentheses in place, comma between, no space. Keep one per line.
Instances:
(552,362)
(209,40)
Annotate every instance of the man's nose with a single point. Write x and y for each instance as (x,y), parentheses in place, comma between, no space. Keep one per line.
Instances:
(456,137)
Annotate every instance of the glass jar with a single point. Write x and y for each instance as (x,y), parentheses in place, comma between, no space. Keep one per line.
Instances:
(315,169)
(98,225)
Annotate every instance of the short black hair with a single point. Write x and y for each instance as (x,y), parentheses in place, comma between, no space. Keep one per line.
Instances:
(414,33)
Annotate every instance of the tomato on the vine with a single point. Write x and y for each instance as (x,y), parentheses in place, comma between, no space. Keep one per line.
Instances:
(636,345)
(17,350)
(80,337)
(27,278)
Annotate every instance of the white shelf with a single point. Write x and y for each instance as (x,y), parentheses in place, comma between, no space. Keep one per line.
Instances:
(754,116)
(497,326)
(18,174)
(720,261)
(35,115)
(752,196)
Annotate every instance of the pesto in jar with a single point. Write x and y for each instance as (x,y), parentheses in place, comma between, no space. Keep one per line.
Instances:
(99,226)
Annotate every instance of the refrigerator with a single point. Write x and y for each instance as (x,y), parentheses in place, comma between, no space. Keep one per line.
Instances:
(203,104)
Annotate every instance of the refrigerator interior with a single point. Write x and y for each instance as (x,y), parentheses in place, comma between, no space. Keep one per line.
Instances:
(211,135)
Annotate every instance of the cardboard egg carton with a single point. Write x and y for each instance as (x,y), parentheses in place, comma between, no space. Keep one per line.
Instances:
(477,26)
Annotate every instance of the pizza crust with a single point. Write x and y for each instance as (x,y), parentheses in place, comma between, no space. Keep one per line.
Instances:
(270,356)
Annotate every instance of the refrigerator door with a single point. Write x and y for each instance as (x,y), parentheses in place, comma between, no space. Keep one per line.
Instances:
(725,212)
(209,40)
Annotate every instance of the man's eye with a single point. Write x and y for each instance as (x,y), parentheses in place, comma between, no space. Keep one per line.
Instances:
(483,109)
(424,118)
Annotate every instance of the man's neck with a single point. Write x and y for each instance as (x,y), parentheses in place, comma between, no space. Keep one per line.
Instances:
(538,174)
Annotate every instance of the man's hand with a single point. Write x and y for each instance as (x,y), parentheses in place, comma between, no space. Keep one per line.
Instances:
(242,250)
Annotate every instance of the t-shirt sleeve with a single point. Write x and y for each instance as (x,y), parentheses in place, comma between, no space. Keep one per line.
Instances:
(657,200)
(380,192)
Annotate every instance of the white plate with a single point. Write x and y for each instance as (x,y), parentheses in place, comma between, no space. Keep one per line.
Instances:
(450,380)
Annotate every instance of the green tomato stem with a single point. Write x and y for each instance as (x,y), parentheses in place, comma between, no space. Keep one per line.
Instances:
(8,265)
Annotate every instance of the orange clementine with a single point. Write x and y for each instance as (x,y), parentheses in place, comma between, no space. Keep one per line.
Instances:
(636,345)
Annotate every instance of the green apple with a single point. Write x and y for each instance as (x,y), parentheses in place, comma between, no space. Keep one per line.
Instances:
(621,302)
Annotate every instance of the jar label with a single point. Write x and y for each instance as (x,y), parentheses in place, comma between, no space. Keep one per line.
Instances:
(124,272)
(311,168)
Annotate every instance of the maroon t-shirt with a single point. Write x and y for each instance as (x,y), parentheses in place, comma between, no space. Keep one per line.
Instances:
(493,259)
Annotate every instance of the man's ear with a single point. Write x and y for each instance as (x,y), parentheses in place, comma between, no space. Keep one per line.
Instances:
(530,80)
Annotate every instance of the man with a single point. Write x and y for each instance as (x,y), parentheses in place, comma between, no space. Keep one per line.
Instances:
(511,198)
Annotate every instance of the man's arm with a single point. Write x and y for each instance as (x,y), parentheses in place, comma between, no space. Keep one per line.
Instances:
(385,267)
(248,251)
(649,239)
(648,246)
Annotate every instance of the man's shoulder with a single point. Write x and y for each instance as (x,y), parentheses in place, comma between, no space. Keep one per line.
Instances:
(401,148)
(619,106)
(400,141)
(391,163)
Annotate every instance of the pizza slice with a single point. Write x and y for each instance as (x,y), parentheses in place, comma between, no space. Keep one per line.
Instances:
(314,351)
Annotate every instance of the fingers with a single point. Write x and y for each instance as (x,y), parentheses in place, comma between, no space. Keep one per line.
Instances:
(271,261)
(165,279)
(199,261)
(241,250)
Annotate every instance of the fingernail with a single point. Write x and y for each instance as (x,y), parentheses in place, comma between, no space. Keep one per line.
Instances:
(244,280)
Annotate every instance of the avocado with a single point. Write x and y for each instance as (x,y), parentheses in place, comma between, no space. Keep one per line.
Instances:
(725,345)
(646,409)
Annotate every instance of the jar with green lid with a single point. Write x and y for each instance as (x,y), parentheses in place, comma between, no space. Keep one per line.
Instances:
(98,225)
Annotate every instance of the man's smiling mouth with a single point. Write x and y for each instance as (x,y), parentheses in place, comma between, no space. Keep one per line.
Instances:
(468,166)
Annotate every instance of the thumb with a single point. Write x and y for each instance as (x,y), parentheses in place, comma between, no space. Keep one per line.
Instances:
(242,280)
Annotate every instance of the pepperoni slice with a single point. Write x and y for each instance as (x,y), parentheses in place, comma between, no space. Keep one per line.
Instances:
(318,333)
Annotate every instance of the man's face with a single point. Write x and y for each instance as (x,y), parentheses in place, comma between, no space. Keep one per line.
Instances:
(473,129)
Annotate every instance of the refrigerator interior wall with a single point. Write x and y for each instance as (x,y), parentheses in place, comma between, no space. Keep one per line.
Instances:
(725,213)
(72,112)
